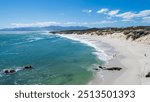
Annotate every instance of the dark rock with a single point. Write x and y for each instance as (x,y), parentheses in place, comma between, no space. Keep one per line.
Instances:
(12,71)
(96,69)
(148,75)
(101,67)
(6,71)
(113,68)
(27,67)
(9,71)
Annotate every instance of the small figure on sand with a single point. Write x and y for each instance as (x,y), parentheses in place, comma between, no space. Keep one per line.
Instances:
(114,55)
(145,55)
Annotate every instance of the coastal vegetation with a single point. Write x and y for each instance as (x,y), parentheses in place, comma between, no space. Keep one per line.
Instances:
(139,33)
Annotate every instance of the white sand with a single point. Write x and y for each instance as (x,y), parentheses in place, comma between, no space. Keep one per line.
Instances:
(119,53)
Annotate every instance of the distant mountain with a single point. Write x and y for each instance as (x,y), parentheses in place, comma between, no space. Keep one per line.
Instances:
(47,28)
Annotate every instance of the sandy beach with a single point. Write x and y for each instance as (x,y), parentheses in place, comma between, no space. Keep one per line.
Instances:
(133,57)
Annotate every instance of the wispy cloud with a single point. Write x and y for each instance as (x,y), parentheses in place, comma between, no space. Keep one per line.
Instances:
(146,19)
(128,16)
(87,11)
(103,10)
(128,20)
(113,12)
(36,24)
(43,24)
(144,13)
(108,22)
(105,22)
(108,12)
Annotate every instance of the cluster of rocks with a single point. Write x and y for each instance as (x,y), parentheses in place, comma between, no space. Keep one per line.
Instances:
(11,71)
(110,69)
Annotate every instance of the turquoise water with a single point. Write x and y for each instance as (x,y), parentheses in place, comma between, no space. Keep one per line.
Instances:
(56,60)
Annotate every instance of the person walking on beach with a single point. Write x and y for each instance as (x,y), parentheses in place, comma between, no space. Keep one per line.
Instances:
(145,55)
(114,55)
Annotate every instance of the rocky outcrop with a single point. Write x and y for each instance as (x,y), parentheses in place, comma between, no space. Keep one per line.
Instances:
(111,69)
(27,68)
(148,75)
(12,71)
(9,71)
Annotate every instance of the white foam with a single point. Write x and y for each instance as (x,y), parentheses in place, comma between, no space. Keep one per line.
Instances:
(99,52)
(18,69)
(35,39)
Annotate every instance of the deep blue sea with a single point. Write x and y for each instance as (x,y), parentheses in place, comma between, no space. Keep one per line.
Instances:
(56,60)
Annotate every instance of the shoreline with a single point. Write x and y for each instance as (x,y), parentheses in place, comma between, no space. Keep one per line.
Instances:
(118,53)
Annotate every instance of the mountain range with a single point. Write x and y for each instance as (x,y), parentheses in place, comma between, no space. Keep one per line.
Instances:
(47,28)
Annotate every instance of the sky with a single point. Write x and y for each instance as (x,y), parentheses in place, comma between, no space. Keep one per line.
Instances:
(91,13)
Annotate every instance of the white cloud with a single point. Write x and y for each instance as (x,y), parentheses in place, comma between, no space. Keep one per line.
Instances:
(103,10)
(105,22)
(127,20)
(144,13)
(126,15)
(36,24)
(87,11)
(74,23)
(108,12)
(70,23)
(43,24)
(90,11)
(131,15)
(146,19)
(113,12)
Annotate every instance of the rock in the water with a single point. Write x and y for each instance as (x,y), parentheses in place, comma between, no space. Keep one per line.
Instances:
(27,67)
(9,71)
(96,69)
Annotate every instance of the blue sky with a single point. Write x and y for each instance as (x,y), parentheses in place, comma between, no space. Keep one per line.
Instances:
(92,13)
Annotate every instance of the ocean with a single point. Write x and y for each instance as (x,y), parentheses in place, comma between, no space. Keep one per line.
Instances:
(55,60)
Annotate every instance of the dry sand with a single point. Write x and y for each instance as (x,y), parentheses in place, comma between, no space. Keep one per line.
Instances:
(119,53)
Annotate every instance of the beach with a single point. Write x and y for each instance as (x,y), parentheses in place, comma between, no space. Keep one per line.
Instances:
(132,57)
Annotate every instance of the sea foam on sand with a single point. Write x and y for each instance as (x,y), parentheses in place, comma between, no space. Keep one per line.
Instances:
(99,52)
